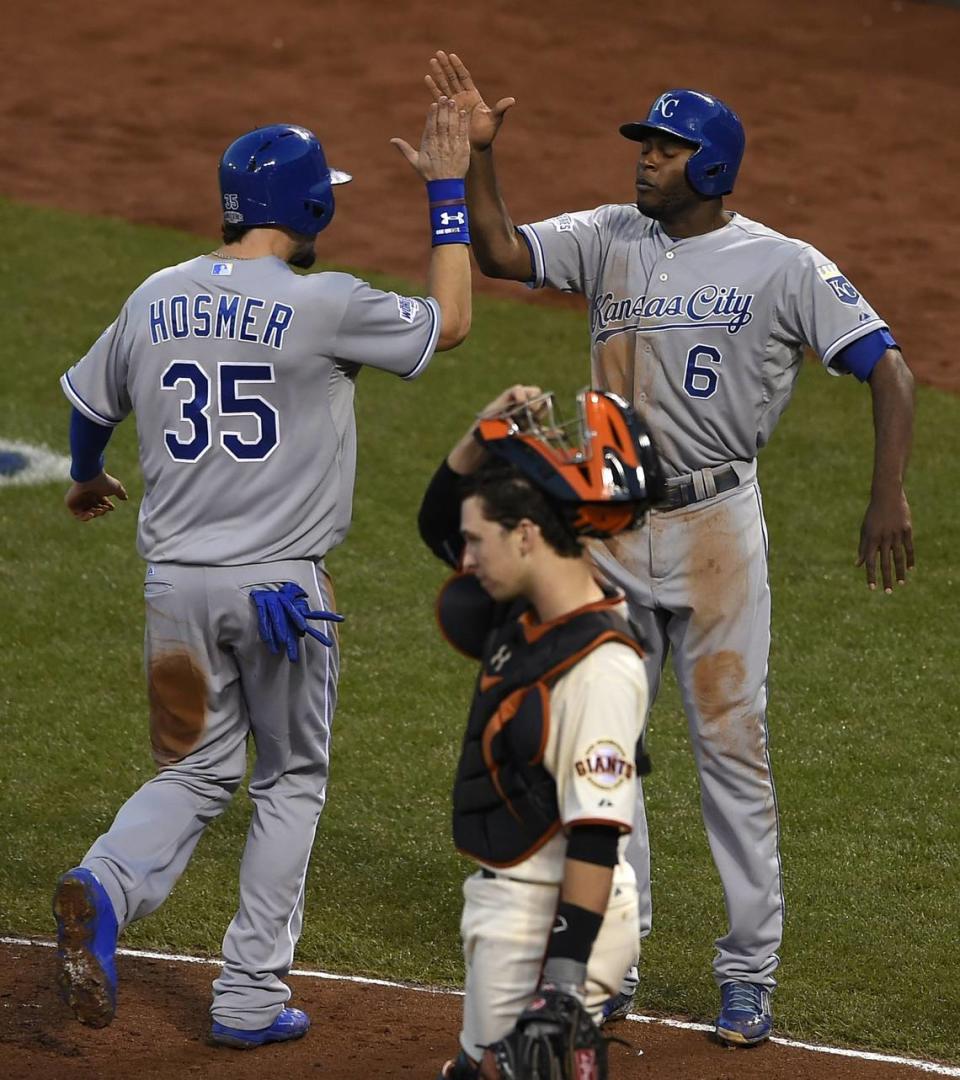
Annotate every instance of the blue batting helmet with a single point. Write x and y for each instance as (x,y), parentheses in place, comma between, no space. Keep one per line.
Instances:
(278,175)
(704,120)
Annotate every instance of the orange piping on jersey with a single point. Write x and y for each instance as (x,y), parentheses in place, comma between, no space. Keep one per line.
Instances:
(506,711)
(623,826)
(548,835)
(533,631)
(486,681)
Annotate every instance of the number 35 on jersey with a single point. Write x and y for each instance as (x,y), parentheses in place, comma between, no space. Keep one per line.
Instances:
(193,438)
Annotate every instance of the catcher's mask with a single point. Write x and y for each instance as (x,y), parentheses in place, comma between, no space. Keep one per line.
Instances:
(601,469)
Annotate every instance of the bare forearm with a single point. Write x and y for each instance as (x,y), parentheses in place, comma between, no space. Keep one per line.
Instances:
(891,387)
(587,885)
(448,282)
(496,244)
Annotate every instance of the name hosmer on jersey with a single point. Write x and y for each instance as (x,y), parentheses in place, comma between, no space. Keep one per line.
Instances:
(232,318)
(711,305)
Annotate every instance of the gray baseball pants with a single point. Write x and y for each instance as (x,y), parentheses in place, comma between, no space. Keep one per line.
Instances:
(212,683)
(696,583)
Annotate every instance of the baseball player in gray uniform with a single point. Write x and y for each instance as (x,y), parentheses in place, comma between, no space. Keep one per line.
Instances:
(700,317)
(241,374)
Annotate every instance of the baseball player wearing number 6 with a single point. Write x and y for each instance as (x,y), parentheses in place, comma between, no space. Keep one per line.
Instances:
(241,374)
(700,316)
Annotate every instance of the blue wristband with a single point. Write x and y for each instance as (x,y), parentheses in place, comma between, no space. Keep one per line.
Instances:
(448,212)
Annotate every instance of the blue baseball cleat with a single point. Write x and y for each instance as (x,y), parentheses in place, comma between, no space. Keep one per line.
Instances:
(616,1007)
(86,943)
(290,1024)
(745,1016)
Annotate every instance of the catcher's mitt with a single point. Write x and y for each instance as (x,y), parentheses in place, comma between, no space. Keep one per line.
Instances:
(554,1039)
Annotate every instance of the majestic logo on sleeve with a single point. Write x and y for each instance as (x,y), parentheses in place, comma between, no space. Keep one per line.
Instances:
(842,289)
(721,306)
(605,764)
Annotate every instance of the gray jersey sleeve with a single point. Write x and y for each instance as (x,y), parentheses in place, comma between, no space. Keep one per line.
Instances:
(386,330)
(566,250)
(97,383)
(819,307)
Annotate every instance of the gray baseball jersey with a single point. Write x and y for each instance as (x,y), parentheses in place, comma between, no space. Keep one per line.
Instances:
(241,375)
(705,336)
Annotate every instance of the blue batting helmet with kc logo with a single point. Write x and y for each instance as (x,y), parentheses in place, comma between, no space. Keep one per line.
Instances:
(278,175)
(713,127)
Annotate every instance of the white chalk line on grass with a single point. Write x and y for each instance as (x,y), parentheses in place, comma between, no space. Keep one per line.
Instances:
(685,1025)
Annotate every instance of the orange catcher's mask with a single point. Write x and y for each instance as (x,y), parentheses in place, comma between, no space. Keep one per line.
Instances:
(602,468)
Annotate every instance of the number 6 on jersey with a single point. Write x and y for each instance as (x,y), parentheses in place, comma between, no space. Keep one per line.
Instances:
(699,381)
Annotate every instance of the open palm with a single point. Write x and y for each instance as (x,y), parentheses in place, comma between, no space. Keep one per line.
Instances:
(450,78)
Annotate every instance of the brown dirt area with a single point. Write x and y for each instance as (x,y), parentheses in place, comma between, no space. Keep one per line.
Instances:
(851,112)
(117,108)
(359,1033)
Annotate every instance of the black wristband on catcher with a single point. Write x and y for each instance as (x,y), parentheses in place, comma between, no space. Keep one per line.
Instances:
(448,212)
(574,931)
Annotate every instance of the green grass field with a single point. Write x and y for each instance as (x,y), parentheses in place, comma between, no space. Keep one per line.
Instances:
(863,686)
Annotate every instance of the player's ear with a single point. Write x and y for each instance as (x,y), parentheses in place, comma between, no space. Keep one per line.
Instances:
(529,532)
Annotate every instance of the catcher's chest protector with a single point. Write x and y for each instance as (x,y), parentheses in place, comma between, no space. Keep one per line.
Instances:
(504,799)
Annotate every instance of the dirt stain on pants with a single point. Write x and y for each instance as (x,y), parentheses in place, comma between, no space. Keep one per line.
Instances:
(177,692)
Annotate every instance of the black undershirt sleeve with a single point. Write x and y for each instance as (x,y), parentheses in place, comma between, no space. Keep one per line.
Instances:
(439,516)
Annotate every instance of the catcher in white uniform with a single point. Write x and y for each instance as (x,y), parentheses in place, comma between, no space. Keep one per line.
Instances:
(700,317)
(547,780)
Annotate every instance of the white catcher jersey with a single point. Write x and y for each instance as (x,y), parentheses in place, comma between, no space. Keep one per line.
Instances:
(597,712)
(704,335)
(241,375)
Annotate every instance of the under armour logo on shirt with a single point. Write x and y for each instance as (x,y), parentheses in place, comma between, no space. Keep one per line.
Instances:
(500,657)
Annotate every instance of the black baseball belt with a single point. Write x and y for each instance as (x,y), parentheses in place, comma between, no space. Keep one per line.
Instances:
(695,487)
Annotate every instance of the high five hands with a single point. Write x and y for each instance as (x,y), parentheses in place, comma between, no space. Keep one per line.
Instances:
(449,78)
(444,147)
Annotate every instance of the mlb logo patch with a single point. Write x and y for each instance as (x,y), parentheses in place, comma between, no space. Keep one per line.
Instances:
(222,269)
(842,289)
(408,308)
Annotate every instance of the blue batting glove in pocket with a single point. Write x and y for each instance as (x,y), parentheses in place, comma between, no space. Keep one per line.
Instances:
(282,616)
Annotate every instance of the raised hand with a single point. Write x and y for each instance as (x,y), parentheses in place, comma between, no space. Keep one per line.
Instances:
(444,147)
(92,499)
(449,78)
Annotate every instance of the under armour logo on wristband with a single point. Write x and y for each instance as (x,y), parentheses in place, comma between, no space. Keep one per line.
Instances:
(450,219)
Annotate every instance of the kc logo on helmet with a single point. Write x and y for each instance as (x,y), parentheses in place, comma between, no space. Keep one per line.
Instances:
(666,105)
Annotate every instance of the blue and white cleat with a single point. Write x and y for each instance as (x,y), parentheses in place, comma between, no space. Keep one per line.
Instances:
(745,1015)
(86,944)
(289,1024)
(616,1007)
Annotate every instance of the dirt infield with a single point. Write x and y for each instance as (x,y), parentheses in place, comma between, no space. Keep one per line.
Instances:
(359,1033)
(851,113)
(850,109)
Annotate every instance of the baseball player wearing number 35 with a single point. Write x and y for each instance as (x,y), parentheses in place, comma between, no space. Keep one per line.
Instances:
(699,317)
(241,374)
